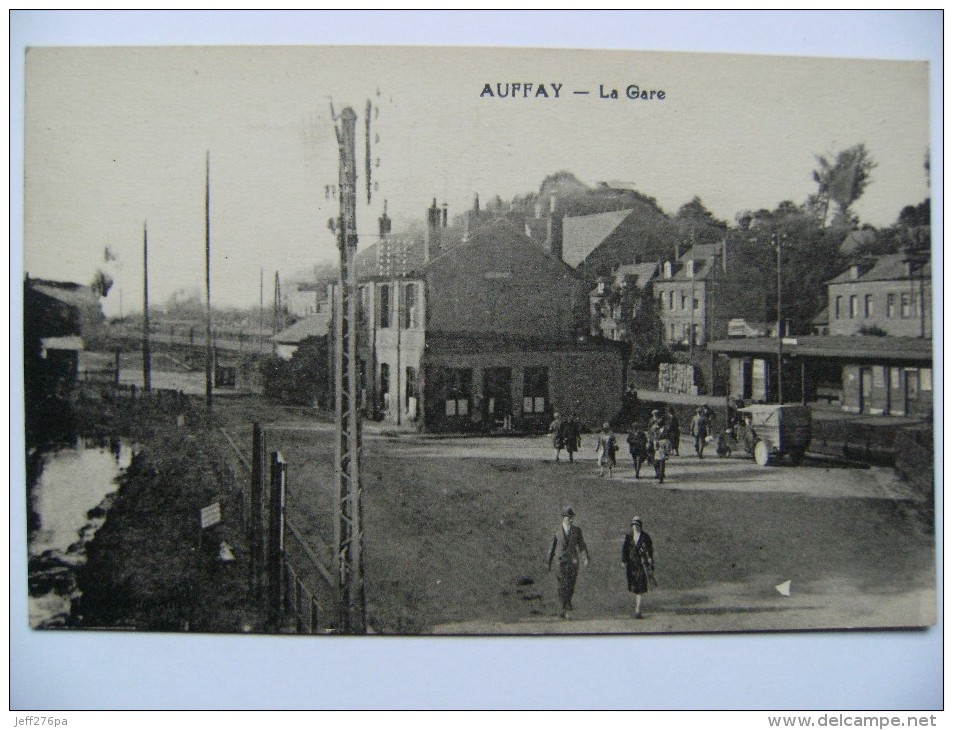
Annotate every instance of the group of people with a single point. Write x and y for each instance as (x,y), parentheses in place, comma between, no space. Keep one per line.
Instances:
(656,442)
(569,548)
(661,438)
(567,434)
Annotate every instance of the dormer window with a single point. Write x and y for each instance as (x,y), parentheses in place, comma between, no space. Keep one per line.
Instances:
(855,271)
(667,269)
(690,268)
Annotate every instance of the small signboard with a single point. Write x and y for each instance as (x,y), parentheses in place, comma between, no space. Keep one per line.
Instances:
(211,515)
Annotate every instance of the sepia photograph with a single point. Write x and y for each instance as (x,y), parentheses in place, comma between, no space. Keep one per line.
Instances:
(407,341)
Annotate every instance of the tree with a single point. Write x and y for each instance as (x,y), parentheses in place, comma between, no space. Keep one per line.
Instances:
(698,225)
(646,331)
(841,182)
(101,283)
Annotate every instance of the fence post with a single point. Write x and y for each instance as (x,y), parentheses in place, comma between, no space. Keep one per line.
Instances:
(276,534)
(255,526)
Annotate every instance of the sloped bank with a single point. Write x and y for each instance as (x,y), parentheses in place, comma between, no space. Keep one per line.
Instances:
(151,566)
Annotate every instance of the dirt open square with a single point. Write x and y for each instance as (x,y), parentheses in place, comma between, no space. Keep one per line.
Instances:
(457,531)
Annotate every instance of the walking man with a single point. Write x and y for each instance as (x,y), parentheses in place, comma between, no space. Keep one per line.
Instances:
(568,545)
(638,447)
(700,431)
(662,449)
(674,430)
(572,435)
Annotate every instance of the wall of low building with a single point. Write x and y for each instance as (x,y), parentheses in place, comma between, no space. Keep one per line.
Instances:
(588,383)
(749,378)
(888,390)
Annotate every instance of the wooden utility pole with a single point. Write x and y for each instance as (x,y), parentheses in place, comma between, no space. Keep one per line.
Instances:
(279,323)
(261,310)
(776,239)
(208,293)
(146,344)
(348,523)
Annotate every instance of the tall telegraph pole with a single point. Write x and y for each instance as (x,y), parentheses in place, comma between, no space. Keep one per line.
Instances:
(146,345)
(776,239)
(348,522)
(208,293)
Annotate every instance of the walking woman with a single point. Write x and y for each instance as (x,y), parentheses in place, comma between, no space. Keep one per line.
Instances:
(606,448)
(638,561)
(558,430)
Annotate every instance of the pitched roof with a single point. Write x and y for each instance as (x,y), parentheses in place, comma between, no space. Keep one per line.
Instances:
(889,267)
(314,326)
(702,252)
(582,234)
(896,349)
(703,270)
(75,295)
(643,273)
(389,257)
(855,239)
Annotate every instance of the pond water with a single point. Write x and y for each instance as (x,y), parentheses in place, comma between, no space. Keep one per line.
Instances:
(71,481)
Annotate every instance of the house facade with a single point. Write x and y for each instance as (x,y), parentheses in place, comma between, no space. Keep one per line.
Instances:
(686,290)
(610,302)
(891,294)
(302,298)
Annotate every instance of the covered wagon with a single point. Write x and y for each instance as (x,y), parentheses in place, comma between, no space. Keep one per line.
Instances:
(781,431)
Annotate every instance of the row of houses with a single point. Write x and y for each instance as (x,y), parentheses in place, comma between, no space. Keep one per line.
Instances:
(498,329)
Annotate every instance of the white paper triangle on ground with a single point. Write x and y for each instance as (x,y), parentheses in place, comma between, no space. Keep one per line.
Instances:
(784,588)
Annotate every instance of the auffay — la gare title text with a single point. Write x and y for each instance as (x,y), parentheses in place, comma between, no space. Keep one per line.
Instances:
(551,90)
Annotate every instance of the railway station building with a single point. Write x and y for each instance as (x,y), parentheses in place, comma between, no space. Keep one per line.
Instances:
(478,335)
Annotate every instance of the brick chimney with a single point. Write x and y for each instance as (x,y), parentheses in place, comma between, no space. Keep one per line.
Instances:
(432,235)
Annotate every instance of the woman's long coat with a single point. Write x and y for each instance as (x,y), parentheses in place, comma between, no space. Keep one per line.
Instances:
(637,555)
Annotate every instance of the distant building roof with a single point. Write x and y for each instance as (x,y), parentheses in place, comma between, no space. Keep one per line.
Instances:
(702,252)
(582,234)
(306,286)
(314,326)
(642,273)
(740,327)
(704,268)
(537,228)
(855,239)
(854,347)
(75,295)
(69,342)
(388,258)
(823,318)
(889,267)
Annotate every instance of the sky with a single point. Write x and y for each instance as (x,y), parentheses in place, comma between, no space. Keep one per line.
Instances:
(90,202)
(116,141)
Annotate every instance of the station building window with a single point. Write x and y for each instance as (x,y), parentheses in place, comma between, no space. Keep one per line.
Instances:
(535,389)
(383,310)
(459,391)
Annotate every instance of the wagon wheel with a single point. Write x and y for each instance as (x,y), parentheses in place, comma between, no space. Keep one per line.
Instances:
(762,453)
